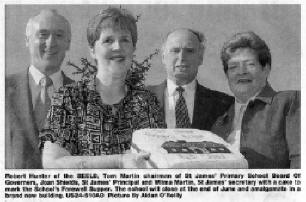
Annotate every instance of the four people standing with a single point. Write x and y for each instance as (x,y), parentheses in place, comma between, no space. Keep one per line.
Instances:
(92,126)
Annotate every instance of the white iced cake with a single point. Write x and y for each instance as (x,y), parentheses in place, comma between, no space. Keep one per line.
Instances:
(186,148)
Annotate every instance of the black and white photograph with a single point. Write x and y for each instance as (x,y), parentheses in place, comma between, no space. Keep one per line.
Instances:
(171,101)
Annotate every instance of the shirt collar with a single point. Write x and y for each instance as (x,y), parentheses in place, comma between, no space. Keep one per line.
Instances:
(55,77)
(265,94)
(36,74)
(238,105)
(237,102)
(171,86)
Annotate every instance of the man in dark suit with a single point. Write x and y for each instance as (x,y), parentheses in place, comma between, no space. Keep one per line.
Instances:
(186,103)
(28,93)
(264,125)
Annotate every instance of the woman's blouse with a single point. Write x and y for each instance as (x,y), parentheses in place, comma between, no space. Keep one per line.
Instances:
(79,121)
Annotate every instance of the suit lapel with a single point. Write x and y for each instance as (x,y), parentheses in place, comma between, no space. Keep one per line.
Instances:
(223,125)
(160,93)
(24,108)
(202,106)
(66,80)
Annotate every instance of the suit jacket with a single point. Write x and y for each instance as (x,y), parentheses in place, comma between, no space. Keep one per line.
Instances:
(21,140)
(208,104)
(270,131)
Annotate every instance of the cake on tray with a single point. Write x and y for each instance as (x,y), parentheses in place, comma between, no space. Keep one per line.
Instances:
(186,148)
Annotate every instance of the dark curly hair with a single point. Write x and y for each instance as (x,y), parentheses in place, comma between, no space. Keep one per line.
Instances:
(246,40)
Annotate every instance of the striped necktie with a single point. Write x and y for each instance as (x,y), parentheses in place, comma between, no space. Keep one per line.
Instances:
(43,102)
(181,111)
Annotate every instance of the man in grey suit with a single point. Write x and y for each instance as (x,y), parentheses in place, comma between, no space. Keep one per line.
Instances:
(28,93)
(185,102)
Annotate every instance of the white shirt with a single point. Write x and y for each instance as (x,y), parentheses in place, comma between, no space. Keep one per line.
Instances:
(171,96)
(235,135)
(35,76)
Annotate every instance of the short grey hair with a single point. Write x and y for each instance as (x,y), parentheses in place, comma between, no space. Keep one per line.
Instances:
(200,36)
(49,12)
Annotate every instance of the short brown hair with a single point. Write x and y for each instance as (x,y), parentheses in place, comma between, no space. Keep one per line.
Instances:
(116,17)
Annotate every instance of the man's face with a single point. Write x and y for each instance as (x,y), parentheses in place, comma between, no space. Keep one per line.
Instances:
(246,76)
(182,56)
(48,42)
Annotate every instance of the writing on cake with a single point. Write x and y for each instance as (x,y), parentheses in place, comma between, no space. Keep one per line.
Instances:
(204,147)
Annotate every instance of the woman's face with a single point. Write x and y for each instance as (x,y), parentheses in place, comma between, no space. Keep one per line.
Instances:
(113,52)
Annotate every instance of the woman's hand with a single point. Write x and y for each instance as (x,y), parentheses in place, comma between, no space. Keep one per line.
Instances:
(132,160)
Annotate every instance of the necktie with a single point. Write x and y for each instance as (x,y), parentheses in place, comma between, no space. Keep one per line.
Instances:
(43,102)
(181,111)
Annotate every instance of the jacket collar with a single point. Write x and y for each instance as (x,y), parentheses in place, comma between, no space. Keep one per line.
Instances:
(266,95)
